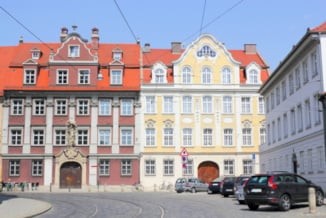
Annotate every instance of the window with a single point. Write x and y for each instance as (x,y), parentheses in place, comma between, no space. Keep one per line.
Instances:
(62,77)
(188,170)
(273,131)
(309,160)
(150,167)
(272,100)
(126,168)
(168,136)
(117,56)
(207,104)
(105,105)
(60,107)
(82,135)
(60,137)
(29,77)
(261,105)
(17,107)
(226,76)
(186,104)
(208,137)
(227,104)
(83,107)
(285,125)
(186,75)
(247,167)
(299,118)
(320,158)
(168,104)
(314,64)
(14,167)
(37,167)
(269,138)
(206,76)
(316,106)
(297,78)
(279,129)
(104,136)
(168,167)
(159,76)
(150,137)
(228,167)
(38,137)
(245,105)
(291,84)
(262,133)
(267,104)
(305,75)
(246,136)
(73,51)
(38,107)
(104,167)
(302,162)
(16,137)
(126,107)
(307,113)
(206,51)
(84,77)
(283,90)
(253,77)
(126,136)
(278,96)
(187,136)
(150,104)
(116,77)
(228,137)
(292,120)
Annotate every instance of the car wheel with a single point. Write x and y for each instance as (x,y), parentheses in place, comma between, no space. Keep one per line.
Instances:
(285,202)
(253,206)
(225,195)
(319,198)
(241,201)
(193,190)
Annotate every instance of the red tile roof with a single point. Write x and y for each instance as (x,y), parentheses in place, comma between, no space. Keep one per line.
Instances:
(320,28)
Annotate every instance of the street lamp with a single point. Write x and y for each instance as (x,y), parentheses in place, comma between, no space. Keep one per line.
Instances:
(322,99)
(294,162)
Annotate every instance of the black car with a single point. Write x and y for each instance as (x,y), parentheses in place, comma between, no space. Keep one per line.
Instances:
(214,186)
(280,189)
(227,186)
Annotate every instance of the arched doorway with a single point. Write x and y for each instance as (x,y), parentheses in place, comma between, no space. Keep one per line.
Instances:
(70,175)
(208,171)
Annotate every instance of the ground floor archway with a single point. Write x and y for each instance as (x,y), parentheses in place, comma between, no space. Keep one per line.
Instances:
(70,175)
(208,171)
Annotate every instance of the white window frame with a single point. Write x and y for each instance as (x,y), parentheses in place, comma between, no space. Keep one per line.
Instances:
(150,136)
(150,105)
(126,108)
(186,104)
(261,105)
(228,137)
(37,167)
(227,104)
(83,107)
(62,77)
(16,136)
(206,75)
(105,107)
(168,136)
(253,77)
(186,75)
(116,77)
(247,167)
(228,167)
(104,136)
(104,167)
(245,105)
(61,107)
(29,76)
(168,167)
(207,104)
(14,167)
(150,167)
(83,136)
(126,167)
(126,136)
(208,137)
(74,51)
(187,134)
(38,136)
(84,76)
(38,106)
(168,104)
(17,106)
(60,136)
(226,75)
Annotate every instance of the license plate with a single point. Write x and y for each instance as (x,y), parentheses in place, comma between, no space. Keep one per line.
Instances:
(256,190)
(229,190)
(214,184)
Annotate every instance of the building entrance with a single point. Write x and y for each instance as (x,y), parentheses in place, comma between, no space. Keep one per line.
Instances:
(70,175)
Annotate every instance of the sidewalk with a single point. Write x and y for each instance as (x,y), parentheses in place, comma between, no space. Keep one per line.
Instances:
(22,207)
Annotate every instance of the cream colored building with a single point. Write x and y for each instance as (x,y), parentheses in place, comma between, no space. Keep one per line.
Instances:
(202,99)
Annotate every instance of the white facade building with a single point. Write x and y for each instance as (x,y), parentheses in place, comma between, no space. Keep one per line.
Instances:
(294,118)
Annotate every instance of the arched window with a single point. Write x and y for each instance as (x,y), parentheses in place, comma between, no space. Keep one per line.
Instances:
(186,75)
(226,76)
(206,76)
(253,77)
(159,76)
(206,51)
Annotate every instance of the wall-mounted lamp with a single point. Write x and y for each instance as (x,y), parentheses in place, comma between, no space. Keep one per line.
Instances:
(100,76)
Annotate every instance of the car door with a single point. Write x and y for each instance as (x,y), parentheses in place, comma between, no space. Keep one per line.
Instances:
(301,189)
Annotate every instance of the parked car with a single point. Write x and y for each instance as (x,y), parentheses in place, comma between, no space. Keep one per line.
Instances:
(214,186)
(238,188)
(227,186)
(280,189)
(190,184)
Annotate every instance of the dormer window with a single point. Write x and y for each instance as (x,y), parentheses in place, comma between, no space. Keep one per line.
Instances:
(117,56)
(206,51)
(36,54)
(159,73)
(29,76)
(74,51)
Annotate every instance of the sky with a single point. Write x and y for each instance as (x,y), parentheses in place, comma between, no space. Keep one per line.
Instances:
(273,25)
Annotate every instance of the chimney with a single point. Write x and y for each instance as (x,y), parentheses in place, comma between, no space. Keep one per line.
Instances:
(176,47)
(64,34)
(21,39)
(250,48)
(95,38)
(147,47)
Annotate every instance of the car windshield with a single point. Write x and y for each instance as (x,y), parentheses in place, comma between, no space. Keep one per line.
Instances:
(180,180)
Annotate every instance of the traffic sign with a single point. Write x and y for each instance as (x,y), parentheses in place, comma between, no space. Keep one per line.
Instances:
(184,153)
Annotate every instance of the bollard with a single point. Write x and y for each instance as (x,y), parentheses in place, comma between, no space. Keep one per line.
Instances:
(312,200)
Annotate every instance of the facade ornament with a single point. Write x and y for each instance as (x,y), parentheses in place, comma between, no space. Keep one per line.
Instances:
(72,127)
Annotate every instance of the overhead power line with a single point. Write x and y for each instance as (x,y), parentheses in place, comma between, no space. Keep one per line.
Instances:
(202,17)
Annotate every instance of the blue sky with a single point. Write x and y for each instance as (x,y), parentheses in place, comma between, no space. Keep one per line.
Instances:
(274,25)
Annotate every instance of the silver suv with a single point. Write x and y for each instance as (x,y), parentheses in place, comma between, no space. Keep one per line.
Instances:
(190,184)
